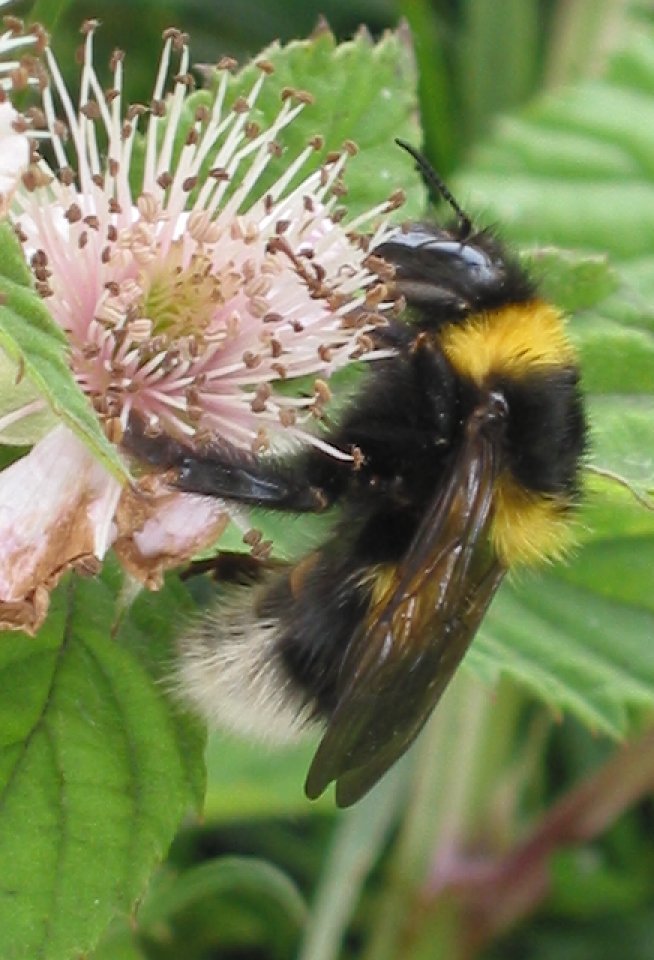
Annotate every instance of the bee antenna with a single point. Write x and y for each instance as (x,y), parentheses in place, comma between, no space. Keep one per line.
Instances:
(436,184)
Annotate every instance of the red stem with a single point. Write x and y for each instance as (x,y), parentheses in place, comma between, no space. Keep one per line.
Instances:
(494,894)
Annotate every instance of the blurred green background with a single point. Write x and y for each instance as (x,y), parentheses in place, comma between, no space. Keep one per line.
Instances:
(476,58)
(501,118)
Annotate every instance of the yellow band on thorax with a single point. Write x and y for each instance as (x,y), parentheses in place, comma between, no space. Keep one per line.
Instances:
(514,340)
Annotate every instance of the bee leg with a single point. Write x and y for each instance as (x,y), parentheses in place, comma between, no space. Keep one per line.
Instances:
(240,477)
(227,472)
(156,449)
(234,568)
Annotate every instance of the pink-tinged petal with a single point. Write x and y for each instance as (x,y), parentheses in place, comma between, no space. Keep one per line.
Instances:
(56,510)
(159,529)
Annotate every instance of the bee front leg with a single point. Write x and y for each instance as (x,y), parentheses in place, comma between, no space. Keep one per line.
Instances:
(225,471)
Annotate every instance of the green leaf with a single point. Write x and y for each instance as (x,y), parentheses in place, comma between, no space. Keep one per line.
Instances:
(623,438)
(364,92)
(573,647)
(247,779)
(120,943)
(36,349)
(149,628)
(49,12)
(572,280)
(18,396)
(238,902)
(576,170)
(92,780)
(13,266)
(224,875)
(617,357)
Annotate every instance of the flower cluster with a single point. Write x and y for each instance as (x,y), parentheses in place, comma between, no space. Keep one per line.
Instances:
(186,300)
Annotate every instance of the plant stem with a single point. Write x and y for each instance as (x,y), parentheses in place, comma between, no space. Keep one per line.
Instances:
(498,63)
(358,839)
(455,759)
(437,101)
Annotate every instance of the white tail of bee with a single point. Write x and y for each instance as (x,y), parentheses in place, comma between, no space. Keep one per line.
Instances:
(231,671)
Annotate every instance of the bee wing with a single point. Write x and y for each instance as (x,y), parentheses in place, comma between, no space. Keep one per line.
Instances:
(423,618)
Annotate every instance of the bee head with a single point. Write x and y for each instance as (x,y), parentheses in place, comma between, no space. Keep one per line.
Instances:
(447,272)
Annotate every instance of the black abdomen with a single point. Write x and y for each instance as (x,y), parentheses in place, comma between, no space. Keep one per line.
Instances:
(546,430)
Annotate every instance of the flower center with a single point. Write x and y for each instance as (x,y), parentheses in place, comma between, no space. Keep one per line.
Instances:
(182,300)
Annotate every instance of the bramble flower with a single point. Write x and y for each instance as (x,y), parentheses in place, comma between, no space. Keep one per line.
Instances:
(185,301)
(17,70)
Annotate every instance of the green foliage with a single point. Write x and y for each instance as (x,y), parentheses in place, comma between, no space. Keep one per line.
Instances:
(573,648)
(34,363)
(97,767)
(578,176)
(364,92)
(176,914)
(99,763)
(572,280)
(245,780)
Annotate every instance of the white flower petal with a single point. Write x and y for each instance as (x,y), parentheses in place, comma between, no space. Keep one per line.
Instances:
(180,526)
(159,529)
(56,505)
(14,155)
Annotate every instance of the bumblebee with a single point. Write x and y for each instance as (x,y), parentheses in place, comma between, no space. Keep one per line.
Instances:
(470,438)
